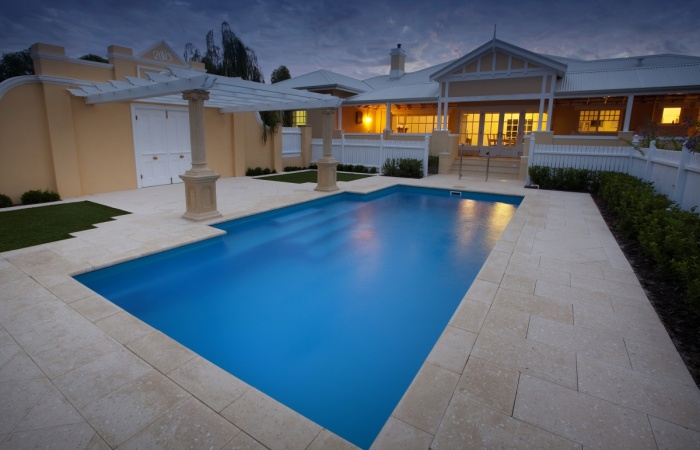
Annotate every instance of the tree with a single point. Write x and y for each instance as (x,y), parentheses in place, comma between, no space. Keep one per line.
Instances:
(280,74)
(232,59)
(94,58)
(15,64)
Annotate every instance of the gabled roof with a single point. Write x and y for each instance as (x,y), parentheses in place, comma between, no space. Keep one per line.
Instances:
(227,94)
(325,79)
(505,47)
(641,74)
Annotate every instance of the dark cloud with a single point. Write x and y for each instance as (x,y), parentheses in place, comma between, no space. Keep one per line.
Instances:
(355,38)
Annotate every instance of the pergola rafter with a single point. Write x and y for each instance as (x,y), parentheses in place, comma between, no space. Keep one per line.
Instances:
(227,94)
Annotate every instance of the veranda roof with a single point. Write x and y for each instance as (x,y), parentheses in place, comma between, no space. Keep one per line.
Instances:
(228,94)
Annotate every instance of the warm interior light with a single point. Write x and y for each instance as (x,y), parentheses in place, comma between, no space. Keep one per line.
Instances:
(367,119)
(671,115)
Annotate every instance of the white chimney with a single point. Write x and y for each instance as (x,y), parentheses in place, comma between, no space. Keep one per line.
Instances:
(398,62)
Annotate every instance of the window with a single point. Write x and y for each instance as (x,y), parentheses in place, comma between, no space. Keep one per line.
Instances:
(599,121)
(298,118)
(532,122)
(469,129)
(414,124)
(671,115)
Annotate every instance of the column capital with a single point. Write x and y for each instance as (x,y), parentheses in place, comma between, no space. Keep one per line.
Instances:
(195,94)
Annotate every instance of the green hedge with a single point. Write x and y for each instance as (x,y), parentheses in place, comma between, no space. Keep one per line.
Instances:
(403,168)
(669,236)
(664,232)
(34,197)
(563,179)
(258,171)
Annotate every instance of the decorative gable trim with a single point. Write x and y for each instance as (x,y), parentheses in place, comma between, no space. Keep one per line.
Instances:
(162,53)
(498,59)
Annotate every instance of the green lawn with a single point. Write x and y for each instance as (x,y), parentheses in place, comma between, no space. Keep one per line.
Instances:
(33,226)
(310,176)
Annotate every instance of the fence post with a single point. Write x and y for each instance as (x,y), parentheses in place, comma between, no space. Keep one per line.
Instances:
(342,148)
(635,146)
(382,153)
(650,161)
(530,158)
(679,188)
(426,149)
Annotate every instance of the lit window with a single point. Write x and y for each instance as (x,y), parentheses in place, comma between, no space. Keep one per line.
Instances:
(414,124)
(298,118)
(532,121)
(599,121)
(469,129)
(671,115)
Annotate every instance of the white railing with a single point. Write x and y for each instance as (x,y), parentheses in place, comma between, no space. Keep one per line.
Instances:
(291,142)
(373,152)
(675,174)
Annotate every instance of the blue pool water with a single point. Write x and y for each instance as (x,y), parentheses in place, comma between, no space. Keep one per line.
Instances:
(330,307)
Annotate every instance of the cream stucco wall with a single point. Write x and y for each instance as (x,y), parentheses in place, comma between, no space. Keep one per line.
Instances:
(50,139)
(25,157)
(105,145)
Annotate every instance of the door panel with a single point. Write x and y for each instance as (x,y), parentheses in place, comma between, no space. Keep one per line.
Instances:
(178,137)
(161,144)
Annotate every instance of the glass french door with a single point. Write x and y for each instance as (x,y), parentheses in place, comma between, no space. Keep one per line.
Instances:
(501,133)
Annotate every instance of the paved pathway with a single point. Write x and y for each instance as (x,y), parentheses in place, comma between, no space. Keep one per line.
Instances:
(554,345)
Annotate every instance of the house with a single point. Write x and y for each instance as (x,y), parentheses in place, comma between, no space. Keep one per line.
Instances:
(81,127)
(493,97)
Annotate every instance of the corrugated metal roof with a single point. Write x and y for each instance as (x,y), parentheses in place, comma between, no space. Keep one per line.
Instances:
(325,79)
(648,73)
(630,79)
(403,93)
(419,76)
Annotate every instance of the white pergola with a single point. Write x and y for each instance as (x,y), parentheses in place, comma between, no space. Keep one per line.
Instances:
(180,86)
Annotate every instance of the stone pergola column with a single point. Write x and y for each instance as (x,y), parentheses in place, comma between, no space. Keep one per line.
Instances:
(327,165)
(200,180)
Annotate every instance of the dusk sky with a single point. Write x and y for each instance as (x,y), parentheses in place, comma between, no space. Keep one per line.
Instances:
(354,37)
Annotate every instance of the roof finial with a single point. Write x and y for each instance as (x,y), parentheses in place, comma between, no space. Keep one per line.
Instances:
(494,31)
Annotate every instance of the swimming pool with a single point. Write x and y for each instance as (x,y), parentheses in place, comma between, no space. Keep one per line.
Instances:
(330,307)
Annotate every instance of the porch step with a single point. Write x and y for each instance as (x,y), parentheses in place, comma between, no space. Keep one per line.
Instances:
(477,164)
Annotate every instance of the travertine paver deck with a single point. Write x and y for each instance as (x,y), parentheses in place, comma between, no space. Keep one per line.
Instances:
(554,345)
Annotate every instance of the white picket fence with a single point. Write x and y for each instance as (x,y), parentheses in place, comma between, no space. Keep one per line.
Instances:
(373,152)
(675,174)
(291,142)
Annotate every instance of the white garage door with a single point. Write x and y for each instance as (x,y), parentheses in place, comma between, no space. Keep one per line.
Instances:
(161,143)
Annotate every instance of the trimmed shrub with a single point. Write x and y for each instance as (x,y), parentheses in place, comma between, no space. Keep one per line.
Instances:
(355,169)
(293,168)
(563,179)
(258,171)
(33,197)
(403,168)
(5,201)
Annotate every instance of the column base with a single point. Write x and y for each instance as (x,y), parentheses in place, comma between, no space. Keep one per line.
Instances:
(327,175)
(200,195)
